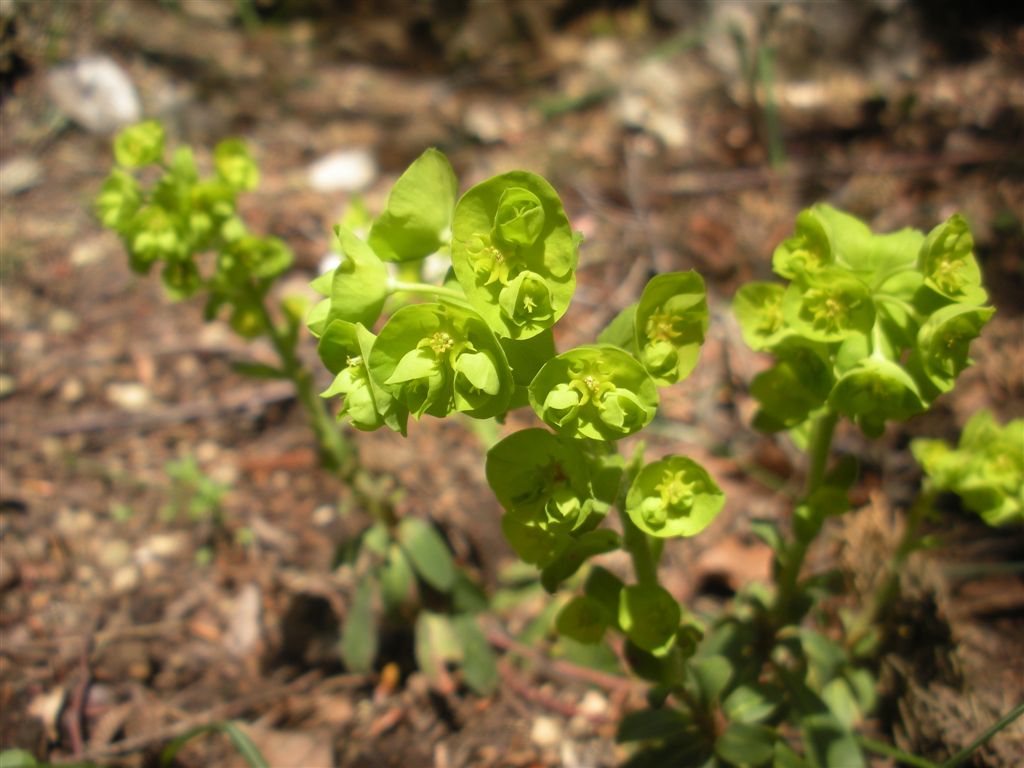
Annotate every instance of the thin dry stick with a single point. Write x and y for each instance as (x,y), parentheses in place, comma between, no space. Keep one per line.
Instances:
(223,711)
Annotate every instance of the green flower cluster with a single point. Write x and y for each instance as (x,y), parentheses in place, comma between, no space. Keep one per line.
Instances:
(873,327)
(986,469)
(178,215)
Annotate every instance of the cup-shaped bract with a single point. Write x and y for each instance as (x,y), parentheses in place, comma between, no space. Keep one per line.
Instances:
(235,165)
(674,496)
(947,261)
(154,234)
(595,391)
(140,144)
(875,391)
(439,358)
(758,308)
(791,390)
(671,320)
(118,200)
(181,279)
(944,342)
(345,349)
(807,250)
(514,253)
(212,206)
(541,478)
(251,256)
(417,217)
(829,306)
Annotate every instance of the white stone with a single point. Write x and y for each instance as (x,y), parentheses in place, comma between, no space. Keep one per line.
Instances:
(349,170)
(96,93)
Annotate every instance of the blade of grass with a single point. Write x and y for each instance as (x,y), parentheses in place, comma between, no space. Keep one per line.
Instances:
(241,741)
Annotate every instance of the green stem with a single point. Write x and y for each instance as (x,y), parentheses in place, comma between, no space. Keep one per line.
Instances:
(645,565)
(881,748)
(818,449)
(450,294)
(335,450)
(995,728)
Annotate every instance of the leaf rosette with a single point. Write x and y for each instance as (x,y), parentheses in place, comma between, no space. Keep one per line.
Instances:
(541,479)
(439,358)
(514,253)
(595,391)
(829,306)
(674,496)
(345,349)
(671,320)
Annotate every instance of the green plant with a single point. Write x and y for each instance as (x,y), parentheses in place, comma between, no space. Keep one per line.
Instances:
(169,217)
(868,327)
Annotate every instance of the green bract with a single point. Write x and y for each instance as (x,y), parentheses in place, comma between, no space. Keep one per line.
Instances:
(944,341)
(807,250)
(344,349)
(947,261)
(417,218)
(154,234)
(829,305)
(875,391)
(758,308)
(118,200)
(439,358)
(514,253)
(541,479)
(140,144)
(670,323)
(595,391)
(358,286)
(673,497)
(235,165)
(986,469)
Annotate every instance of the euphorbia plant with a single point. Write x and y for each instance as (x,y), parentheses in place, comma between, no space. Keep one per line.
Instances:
(868,327)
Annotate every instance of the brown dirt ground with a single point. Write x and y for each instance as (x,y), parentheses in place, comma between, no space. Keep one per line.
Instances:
(117,629)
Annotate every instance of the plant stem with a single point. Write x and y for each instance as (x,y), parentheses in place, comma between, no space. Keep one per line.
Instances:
(400,286)
(645,566)
(818,449)
(335,450)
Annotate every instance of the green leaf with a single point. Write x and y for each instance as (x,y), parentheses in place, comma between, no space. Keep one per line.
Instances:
(359,637)
(744,744)
(479,666)
(785,757)
(397,581)
(344,349)
(650,617)
(808,250)
(874,392)
(751,703)
(118,200)
(583,618)
(427,552)
(17,758)
(360,283)
(621,331)
(572,557)
(140,144)
(235,165)
(674,496)
(604,587)
(437,644)
(239,738)
(944,342)
(417,216)
(712,675)
(535,545)
(827,743)
(258,370)
(594,391)
(514,253)
(671,320)
(652,724)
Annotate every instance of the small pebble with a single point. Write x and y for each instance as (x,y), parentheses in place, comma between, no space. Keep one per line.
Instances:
(546,732)
(350,170)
